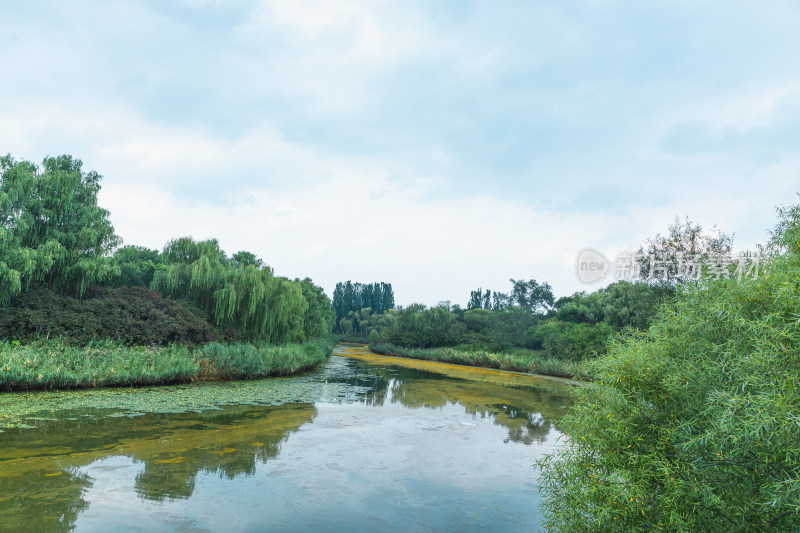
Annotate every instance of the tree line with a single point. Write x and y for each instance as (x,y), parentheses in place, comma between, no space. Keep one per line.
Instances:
(57,243)
(354,303)
(528,316)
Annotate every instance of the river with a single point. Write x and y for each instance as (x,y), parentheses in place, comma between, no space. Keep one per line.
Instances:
(363,443)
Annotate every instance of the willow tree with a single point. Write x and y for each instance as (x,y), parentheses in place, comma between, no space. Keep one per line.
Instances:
(692,425)
(52,232)
(236,294)
(318,318)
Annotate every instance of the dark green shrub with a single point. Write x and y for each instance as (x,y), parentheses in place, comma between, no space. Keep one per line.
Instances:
(132,315)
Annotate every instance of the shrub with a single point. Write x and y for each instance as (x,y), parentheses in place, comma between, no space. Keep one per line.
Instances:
(693,425)
(132,315)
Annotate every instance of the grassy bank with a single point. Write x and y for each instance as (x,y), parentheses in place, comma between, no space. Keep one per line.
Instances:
(53,365)
(518,360)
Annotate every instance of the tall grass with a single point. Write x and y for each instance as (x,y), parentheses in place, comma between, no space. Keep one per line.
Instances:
(518,360)
(49,364)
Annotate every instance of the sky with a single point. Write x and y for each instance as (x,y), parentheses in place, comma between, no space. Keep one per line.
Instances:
(438,145)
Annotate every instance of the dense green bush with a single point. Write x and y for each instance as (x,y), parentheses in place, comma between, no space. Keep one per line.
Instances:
(424,328)
(572,341)
(133,315)
(694,424)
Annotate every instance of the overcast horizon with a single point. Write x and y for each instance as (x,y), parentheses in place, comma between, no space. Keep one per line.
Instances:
(438,146)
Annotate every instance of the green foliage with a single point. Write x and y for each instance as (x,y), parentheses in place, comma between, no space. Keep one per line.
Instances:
(499,330)
(530,295)
(133,316)
(633,304)
(241,297)
(54,364)
(243,259)
(349,298)
(665,256)
(318,318)
(240,361)
(420,327)
(785,238)
(620,305)
(137,266)
(516,360)
(52,231)
(572,341)
(693,425)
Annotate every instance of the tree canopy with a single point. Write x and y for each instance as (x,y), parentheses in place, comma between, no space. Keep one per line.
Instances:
(241,293)
(52,231)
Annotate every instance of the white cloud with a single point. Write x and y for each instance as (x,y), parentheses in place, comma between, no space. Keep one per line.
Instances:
(402,142)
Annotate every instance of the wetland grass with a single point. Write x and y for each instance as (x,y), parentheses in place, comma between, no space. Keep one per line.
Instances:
(49,364)
(517,360)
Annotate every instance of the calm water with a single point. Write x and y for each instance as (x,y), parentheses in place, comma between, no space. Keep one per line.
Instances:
(366,443)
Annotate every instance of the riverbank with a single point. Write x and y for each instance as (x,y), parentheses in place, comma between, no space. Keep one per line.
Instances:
(519,360)
(49,364)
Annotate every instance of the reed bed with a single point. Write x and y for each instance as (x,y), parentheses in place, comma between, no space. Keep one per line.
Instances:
(50,364)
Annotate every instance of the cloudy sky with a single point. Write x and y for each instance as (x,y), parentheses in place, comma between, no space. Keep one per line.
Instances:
(439,145)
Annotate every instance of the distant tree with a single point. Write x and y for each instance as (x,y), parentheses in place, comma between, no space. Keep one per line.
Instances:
(319,317)
(531,295)
(633,304)
(500,301)
(785,237)
(51,229)
(387,297)
(475,299)
(243,259)
(418,326)
(669,260)
(137,266)
(350,298)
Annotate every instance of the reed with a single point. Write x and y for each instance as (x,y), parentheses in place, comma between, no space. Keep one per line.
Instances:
(50,364)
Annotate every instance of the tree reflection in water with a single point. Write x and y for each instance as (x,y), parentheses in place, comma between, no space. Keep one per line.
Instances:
(43,480)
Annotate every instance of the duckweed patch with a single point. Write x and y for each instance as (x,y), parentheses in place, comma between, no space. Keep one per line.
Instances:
(37,408)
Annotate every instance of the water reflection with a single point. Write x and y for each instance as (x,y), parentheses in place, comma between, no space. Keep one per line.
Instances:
(386,438)
(527,408)
(42,487)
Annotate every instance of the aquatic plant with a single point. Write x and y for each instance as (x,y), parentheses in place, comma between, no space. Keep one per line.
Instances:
(518,359)
(51,364)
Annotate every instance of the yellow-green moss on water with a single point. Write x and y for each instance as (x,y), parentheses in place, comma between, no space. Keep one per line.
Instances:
(517,360)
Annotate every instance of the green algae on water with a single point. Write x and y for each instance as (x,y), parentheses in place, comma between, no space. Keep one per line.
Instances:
(34,409)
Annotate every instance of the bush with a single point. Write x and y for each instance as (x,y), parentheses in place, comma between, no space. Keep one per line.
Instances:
(693,425)
(572,341)
(131,315)
(416,326)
